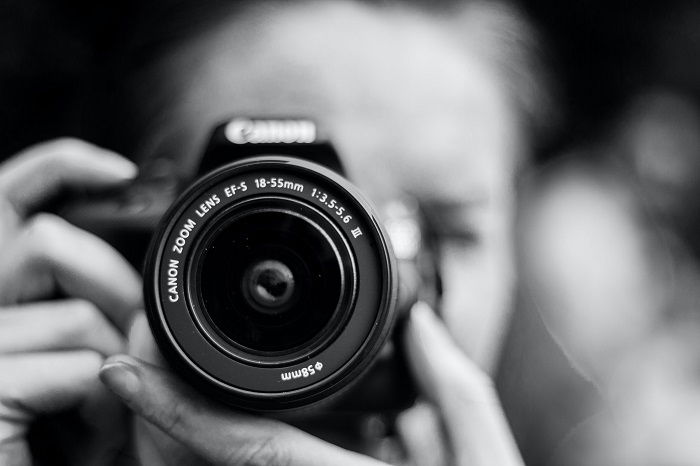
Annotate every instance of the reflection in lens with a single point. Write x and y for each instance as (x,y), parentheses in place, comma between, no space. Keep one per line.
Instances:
(270,280)
(269,286)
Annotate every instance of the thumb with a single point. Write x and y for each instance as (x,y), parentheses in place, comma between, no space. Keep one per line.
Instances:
(463,393)
(218,435)
(215,433)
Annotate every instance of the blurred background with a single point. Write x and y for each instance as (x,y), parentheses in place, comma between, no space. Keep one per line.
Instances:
(607,319)
(604,53)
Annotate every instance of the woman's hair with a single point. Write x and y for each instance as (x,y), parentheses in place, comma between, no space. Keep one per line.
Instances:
(139,94)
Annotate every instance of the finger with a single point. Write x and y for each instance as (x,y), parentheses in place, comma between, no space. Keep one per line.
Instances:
(15,452)
(421,432)
(464,395)
(39,172)
(107,421)
(141,343)
(150,441)
(216,434)
(43,383)
(38,383)
(52,254)
(58,325)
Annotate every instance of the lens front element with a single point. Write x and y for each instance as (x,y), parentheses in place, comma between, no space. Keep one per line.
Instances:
(272,276)
(270,284)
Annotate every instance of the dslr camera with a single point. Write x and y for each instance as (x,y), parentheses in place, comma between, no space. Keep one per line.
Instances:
(270,282)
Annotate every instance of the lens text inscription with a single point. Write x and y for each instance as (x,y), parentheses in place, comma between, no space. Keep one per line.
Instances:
(173,267)
(182,236)
(280,183)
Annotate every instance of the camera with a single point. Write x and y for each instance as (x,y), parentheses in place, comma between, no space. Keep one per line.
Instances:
(270,282)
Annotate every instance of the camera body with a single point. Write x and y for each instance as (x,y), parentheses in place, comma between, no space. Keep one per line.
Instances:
(270,282)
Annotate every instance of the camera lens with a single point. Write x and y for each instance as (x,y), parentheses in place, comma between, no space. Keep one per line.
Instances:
(271,279)
(270,284)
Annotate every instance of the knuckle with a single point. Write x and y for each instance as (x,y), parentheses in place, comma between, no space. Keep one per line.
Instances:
(264,452)
(67,145)
(43,232)
(60,155)
(7,212)
(174,419)
(88,358)
(43,225)
(93,359)
(85,315)
(10,394)
(11,407)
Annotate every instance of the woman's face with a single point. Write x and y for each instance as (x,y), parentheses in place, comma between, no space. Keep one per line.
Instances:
(409,104)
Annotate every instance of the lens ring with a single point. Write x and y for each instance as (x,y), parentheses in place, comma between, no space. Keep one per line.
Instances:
(226,337)
(262,385)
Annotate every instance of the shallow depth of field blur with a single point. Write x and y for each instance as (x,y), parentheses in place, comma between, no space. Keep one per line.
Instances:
(601,363)
(608,235)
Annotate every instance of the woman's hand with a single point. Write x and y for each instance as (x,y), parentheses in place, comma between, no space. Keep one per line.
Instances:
(462,395)
(51,349)
(200,430)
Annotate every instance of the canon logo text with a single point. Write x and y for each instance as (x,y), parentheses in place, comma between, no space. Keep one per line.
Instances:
(247,131)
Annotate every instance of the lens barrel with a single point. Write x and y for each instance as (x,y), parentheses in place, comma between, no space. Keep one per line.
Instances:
(270,284)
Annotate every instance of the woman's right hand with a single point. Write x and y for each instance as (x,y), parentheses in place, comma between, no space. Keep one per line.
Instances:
(51,349)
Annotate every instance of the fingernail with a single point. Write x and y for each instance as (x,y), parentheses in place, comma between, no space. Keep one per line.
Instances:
(121,376)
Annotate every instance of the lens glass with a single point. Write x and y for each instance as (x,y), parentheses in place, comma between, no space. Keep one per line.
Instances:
(269,286)
(270,280)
